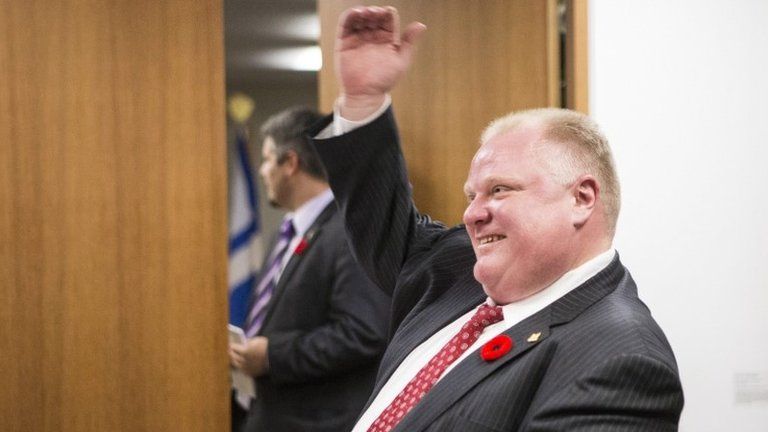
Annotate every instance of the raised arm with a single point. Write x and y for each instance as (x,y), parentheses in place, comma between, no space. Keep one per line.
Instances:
(365,167)
(371,56)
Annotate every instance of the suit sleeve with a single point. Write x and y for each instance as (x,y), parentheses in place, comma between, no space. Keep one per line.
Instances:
(354,334)
(623,393)
(367,173)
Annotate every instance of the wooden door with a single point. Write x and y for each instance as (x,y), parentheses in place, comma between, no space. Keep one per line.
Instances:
(112,216)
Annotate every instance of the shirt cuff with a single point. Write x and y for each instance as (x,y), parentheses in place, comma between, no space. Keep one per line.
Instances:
(340,125)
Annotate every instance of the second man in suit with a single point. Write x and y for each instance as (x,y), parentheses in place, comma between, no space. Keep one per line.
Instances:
(317,326)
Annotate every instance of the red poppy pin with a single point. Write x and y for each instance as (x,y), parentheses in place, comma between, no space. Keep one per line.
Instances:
(301,247)
(496,348)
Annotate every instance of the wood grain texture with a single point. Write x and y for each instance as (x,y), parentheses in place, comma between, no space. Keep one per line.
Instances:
(577,55)
(112,223)
(477,61)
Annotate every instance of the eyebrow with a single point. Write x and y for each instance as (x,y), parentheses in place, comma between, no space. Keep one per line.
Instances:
(466,188)
(510,181)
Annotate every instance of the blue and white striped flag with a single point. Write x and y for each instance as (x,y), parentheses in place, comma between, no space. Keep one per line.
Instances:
(245,248)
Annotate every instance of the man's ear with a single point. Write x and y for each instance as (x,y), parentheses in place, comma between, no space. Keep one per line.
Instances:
(290,162)
(586,191)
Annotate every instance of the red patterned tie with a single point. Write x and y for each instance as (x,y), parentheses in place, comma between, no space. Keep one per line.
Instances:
(429,374)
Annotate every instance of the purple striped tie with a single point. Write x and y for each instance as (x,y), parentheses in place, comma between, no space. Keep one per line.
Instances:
(267,282)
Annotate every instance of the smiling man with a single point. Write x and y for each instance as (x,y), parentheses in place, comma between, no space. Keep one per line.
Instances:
(521,319)
(536,210)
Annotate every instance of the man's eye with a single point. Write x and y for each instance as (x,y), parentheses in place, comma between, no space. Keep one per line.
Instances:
(497,189)
(470,198)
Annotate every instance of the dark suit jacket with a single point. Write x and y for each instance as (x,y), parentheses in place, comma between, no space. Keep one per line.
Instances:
(327,326)
(600,362)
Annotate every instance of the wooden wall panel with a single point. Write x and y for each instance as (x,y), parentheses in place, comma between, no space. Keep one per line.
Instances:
(577,55)
(477,61)
(112,216)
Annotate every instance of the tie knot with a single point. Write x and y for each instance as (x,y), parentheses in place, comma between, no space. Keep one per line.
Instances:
(485,316)
(286,229)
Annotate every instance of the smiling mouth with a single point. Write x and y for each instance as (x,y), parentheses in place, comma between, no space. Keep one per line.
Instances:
(490,239)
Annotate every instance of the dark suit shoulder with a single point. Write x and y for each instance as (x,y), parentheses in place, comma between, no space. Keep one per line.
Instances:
(434,266)
(626,315)
(613,355)
(619,324)
(438,244)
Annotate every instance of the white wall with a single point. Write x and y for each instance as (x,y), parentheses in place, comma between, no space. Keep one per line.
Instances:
(681,89)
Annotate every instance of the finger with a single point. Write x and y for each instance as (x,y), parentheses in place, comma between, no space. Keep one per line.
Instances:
(368,15)
(390,22)
(379,26)
(238,349)
(413,32)
(374,16)
(369,24)
(347,22)
(411,36)
(236,360)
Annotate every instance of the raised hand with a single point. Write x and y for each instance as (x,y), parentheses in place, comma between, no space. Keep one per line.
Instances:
(371,56)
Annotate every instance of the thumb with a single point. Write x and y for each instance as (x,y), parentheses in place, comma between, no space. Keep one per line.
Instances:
(410,37)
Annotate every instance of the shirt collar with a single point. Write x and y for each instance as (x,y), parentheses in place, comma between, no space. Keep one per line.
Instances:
(565,284)
(307,213)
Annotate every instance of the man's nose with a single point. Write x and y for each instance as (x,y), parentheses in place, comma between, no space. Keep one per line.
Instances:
(476,212)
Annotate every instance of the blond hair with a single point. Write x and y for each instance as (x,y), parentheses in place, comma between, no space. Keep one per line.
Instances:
(584,148)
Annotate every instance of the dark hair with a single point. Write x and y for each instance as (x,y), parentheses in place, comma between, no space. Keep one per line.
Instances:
(288,130)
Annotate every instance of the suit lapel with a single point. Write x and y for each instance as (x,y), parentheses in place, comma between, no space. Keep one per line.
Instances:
(527,335)
(471,371)
(311,236)
(425,320)
(572,304)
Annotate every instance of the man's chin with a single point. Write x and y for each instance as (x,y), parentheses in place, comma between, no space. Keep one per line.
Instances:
(481,274)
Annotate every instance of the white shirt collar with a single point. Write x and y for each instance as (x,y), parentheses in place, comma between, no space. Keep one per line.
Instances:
(565,284)
(307,213)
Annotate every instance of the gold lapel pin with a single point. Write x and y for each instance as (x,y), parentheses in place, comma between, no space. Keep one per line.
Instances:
(534,337)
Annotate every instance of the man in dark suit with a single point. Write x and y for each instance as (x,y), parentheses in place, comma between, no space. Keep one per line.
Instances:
(523,318)
(317,325)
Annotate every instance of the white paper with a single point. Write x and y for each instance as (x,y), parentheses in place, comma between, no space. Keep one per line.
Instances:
(241,382)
